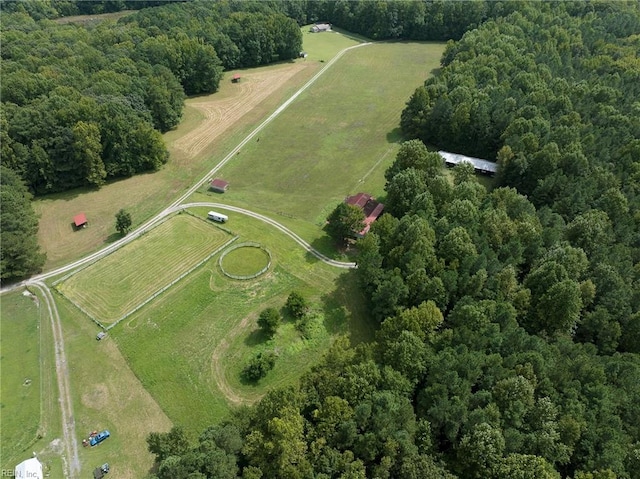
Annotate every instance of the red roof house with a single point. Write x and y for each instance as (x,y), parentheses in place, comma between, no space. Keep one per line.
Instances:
(219,185)
(235,78)
(80,220)
(369,206)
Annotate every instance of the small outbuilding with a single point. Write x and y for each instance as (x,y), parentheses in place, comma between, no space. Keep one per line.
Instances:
(303,55)
(80,220)
(218,185)
(235,78)
(481,166)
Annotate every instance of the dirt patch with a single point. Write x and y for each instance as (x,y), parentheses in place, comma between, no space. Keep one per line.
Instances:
(97,398)
(221,114)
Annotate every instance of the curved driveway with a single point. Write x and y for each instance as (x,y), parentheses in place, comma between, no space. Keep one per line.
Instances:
(275,224)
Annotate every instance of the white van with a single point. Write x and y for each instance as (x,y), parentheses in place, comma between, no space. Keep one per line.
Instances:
(219,217)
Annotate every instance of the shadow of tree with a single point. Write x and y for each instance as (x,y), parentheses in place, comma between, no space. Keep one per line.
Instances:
(257,336)
(345,310)
(395,135)
(112,238)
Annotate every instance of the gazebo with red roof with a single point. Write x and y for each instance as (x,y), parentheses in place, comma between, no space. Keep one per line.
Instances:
(219,185)
(235,78)
(371,208)
(80,220)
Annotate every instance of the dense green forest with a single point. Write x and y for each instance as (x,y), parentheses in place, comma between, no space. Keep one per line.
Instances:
(508,321)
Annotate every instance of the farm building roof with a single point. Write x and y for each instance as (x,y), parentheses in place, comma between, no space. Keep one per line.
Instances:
(219,185)
(483,166)
(369,206)
(80,219)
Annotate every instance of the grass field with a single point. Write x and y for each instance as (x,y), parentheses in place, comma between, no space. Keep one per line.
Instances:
(178,359)
(28,393)
(107,395)
(118,283)
(245,261)
(336,139)
(183,346)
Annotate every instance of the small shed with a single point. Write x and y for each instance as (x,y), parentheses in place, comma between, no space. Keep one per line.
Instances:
(303,55)
(80,220)
(482,166)
(235,78)
(218,185)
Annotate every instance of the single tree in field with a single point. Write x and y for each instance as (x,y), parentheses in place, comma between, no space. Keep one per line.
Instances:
(259,366)
(269,320)
(297,305)
(344,222)
(123,222)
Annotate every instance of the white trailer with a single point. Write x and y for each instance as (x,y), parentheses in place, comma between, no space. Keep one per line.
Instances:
(219,217)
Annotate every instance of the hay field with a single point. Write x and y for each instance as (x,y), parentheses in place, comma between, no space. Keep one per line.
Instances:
(118,283)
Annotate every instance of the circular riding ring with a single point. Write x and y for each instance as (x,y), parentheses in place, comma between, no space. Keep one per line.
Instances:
(236,250)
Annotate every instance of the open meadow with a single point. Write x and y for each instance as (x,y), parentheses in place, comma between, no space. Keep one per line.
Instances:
(115,285)
(189,345)
(179,358)
(107,395)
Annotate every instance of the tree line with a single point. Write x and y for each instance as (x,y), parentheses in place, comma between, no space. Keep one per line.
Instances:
(482,364)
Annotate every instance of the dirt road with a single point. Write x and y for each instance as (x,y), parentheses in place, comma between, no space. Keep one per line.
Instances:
(72,462)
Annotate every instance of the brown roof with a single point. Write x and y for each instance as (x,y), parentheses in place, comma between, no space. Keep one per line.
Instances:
(359,200)
(218,184)
(80,219)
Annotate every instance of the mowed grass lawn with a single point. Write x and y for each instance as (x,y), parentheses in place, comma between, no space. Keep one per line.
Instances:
(337,138)
(118,283)
(189,345)
(245,261)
